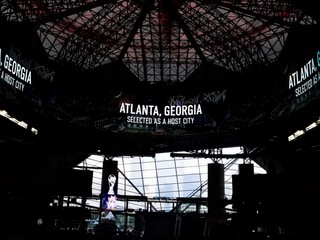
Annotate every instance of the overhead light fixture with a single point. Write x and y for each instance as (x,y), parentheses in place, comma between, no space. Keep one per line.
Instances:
(301,132)
(295,135)
(298,133)
(311,126)
(22,124)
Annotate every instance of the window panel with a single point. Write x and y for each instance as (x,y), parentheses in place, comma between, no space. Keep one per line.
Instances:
(166,172)
(186,163)
(168,189)
(188,170)
(146,159)
(187,178)
(168,180)
(190,186)
(148,166)
(132,167)
(165,164)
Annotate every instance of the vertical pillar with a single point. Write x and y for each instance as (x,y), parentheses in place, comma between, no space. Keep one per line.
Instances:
(216,204)
(216,189)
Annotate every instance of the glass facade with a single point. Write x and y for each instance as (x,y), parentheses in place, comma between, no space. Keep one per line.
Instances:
(161,179)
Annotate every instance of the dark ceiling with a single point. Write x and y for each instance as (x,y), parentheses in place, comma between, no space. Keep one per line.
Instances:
(87,58)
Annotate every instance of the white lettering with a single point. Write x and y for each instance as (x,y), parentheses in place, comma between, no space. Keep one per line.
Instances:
(139,120)
(183,110)
(303,88)
(147,110)
(17,70)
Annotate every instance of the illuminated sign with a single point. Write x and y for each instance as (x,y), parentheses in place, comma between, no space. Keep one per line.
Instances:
(305,78)
(151,114)
(175,114)
(13,72)
(21,73)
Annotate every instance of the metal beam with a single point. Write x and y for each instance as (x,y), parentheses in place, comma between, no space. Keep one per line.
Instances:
(205,155)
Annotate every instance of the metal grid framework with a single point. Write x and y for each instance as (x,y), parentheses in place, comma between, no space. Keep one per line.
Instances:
(159,40)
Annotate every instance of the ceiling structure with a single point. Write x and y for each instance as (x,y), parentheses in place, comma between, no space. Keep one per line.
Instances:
(89,66)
